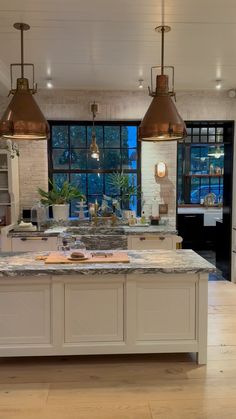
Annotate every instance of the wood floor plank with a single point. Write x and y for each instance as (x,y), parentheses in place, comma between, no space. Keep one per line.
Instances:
(85,411)
(23,395)
(73,394)
(222,309)
(221,352)
(192,409)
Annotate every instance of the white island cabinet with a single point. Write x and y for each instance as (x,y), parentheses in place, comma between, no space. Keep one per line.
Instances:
(157,303)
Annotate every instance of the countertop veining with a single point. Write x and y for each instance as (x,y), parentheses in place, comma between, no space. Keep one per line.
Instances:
(100,230)
(141,262)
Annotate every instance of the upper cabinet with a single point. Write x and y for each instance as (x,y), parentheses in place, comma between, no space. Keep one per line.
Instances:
(9,188)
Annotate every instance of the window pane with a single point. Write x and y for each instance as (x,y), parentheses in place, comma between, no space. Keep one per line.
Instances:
(196,131)
(60,178)
(111,136)
(203,131)
(79,181)
(133,199)
(78,136)
(95,184)
(195,191)
(60,136)
(95,164)
(61,159)
(129,158)
(219,138)
(79,159)
(112,159)
(110,190)
(99,136)
(129,137)
(205,188)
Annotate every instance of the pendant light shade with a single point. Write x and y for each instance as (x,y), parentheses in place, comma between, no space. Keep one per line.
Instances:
(162,121)
(94,148)
(23,120)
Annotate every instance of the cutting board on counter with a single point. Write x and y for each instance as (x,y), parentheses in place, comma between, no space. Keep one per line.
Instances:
(58,258)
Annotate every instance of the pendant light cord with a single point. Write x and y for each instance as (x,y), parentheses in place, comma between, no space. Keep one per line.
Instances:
(94,116)
(162,35)
(162,49)
(22,51)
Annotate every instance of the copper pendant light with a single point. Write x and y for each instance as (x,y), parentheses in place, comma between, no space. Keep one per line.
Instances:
(23,120)
(162,121)
(94,149)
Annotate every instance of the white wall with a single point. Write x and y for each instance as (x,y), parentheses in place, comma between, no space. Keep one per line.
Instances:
(119,105)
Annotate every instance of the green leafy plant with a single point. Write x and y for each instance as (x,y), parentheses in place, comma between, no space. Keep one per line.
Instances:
(62,195)
(125,186)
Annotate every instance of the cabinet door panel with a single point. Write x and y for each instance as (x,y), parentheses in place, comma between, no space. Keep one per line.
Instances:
(24,314)
(165,311)
(93,312)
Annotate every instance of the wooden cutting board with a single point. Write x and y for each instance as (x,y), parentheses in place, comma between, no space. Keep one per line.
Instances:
(116,257)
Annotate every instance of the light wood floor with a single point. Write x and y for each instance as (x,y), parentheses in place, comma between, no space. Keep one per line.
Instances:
(130,387)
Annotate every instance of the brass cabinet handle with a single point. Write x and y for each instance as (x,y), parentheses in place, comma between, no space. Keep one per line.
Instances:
(152,238)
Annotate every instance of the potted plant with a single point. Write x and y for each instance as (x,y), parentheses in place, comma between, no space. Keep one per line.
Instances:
(125,186)
(59,198)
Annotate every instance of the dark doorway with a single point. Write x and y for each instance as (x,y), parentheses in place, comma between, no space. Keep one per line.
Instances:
(204,191)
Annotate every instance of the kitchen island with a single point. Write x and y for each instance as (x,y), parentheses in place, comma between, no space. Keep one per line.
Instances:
(156,303)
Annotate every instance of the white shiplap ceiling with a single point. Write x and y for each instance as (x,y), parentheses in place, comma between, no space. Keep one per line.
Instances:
(110,44)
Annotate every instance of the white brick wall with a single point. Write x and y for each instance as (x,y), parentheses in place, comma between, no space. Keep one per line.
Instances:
(119,105)
(33,168)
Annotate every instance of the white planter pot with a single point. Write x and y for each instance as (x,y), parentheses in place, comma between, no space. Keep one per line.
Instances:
(61,212)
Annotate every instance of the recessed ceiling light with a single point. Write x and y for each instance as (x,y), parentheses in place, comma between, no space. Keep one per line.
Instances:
(49,84)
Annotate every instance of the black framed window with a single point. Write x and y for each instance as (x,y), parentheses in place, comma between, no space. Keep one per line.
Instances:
(201,161)
(70,158)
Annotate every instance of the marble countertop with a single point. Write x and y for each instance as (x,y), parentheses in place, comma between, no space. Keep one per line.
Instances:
(159,229)
(100,230)
(141,262)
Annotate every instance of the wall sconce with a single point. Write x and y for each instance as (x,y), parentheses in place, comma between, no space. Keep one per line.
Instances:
(160,170)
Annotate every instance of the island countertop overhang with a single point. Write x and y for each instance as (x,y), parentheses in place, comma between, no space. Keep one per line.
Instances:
(141,262)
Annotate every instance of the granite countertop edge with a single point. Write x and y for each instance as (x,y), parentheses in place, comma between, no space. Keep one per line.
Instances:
(125,231)
(144,262)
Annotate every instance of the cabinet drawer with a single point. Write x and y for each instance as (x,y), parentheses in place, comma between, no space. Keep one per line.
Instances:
(34,244)
(150,242)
